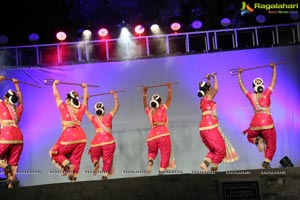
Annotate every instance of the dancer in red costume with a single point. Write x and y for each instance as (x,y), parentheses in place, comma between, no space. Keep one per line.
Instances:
(261,131)
(11,137)
(159,135)
(67,152)
(103,144)
(211,134)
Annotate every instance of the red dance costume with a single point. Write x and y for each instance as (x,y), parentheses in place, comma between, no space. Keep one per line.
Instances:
(212,136)
(11,137)
(70,145)
(262,123)
(103,144)
(159,137)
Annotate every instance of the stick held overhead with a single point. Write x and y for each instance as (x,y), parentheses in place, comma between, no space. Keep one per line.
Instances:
(25,83)
(234,71)
(50,82)
(105,93)
(153,86)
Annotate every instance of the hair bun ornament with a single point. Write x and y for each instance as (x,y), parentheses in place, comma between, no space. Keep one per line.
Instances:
(73,94)
(200,93)
(99,108)
(202,84)
(155,101)
(258,85)
(155,97)
(99,105)
(258,81)
(12,97)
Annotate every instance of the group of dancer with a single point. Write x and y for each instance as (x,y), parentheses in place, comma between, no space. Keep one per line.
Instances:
(67,152)
(261,131)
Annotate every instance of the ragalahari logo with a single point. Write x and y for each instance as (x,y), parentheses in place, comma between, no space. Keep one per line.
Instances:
(271,8)
(246,9)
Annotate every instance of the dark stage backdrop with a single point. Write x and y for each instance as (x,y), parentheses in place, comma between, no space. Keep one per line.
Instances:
(41,126)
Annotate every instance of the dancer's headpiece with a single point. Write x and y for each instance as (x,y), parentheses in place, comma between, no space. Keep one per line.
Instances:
(155,101)
(99,108)
(74,98)
(12,97)
(258,85)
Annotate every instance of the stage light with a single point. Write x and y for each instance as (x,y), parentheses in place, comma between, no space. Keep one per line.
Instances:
(124,30)
(286,162)
(139,29)
(225,22)
(155,28)
(103,32)
(34,37)
(175,26)
(294,15)
(196,24)
(125,33)
(3,39)
(86,34)
(260,19)
(61,36)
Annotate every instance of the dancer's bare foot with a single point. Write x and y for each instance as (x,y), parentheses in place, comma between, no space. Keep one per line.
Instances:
(204,167)
(149,167)
(10,183)
(111,171)
(96,168)
(69,169)
(266,165)
(72,178)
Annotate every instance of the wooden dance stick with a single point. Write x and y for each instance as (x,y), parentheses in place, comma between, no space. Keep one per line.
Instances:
(10,79)
(235,71)
(153,86)
(105,93)
(50,82)
(210,75)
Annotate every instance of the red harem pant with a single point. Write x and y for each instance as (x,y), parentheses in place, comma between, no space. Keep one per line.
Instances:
(269,135)
(11,153)
(164,145)
(106,152)
(71,152)
(214,141)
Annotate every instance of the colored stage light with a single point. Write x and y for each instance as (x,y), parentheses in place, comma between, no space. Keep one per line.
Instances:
(86,34)
(124,30)
(61,36)
(34,37)
(175,26)
(225,22)
(139,29)
(154,28)
(294,15)
(103,32)
(261,19)
(125,33)
(197,24)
